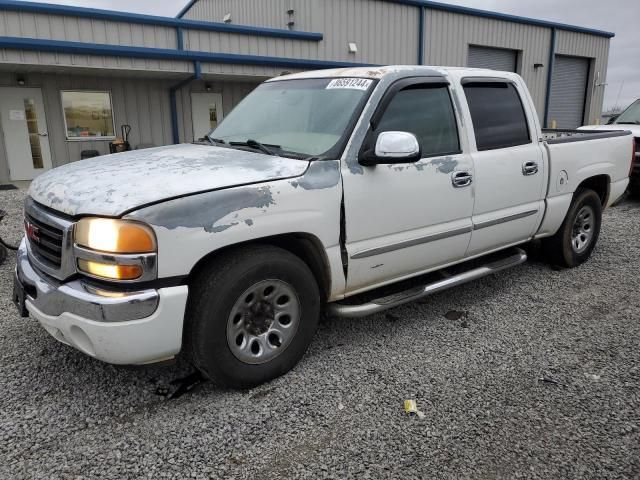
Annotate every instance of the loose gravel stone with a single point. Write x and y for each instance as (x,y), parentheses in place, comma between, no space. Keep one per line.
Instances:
(339,413)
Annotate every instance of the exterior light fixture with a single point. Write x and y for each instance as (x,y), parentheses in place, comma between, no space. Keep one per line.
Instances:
(353,47)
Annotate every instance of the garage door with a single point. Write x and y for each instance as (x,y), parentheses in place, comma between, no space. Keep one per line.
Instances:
(493,58)
(568,91)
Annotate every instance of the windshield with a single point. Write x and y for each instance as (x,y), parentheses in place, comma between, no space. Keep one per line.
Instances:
(631,114)
(308,117)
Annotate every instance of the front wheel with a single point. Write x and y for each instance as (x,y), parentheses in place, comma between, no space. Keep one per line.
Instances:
(252,314)
(574,241)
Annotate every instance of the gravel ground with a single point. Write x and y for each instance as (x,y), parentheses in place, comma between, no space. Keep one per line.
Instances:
(339,414)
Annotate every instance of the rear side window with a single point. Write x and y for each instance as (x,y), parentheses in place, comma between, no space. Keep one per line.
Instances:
(427,112)
(498,116)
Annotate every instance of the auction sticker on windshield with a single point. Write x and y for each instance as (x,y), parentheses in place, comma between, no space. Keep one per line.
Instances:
(353,83)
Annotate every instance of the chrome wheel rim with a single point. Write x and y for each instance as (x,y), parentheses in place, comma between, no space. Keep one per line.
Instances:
(263,321)
(583,227)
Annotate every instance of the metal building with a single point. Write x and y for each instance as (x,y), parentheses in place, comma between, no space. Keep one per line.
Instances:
(71,77)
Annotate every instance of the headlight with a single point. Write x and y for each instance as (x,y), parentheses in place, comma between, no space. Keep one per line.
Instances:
(115,236)
(113,249)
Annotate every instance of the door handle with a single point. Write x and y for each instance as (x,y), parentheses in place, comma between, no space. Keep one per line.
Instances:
(529,168)
(461,179)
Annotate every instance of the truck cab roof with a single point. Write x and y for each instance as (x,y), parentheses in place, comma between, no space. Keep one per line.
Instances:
(379,72)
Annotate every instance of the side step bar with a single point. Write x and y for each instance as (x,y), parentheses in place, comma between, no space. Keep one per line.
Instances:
(384,303)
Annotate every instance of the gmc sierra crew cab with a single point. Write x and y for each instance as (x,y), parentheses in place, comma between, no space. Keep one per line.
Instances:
(350,191)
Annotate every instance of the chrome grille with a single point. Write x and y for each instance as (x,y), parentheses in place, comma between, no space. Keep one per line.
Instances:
(45,240)
(49,240)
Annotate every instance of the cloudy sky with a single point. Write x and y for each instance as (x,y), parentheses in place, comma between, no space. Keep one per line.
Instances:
(619,16)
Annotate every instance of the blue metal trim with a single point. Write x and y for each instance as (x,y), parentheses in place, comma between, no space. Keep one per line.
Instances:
(52,9)
(421,36)
(501,16)
(173,103)
(79,48)
(552,62)
(186,8)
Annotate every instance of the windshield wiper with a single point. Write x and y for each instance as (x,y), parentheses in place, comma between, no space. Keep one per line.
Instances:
(213,141)
(635,122)
(251,143)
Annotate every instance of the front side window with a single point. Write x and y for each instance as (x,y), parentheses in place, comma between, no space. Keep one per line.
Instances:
(306,116)
(87,115)
(498,116)
(426,111)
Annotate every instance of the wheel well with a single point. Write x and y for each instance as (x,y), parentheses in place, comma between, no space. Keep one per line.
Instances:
(599,184)
(306,247)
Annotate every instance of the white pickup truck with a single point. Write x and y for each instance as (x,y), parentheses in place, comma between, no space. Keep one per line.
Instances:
(321,190)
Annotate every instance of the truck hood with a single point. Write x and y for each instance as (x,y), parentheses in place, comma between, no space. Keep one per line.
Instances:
(634,129)
(114,184)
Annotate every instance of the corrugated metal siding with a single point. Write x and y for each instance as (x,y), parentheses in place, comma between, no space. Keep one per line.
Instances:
(568,91)
(232,93)
(448,36)
(6,80)
(93,61)
(58,27)
(593,47)
(500,59)
(384,32)
(259,72)
(141,103)
(270,13)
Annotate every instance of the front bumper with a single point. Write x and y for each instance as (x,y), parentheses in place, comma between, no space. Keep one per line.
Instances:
(115,327)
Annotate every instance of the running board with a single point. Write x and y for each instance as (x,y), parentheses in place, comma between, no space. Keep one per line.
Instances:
(384,303)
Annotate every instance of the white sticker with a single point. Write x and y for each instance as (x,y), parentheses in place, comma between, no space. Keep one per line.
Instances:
(353,83)
(16,114)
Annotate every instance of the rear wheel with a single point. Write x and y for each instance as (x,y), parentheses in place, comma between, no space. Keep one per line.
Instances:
(574,241)
(251,316)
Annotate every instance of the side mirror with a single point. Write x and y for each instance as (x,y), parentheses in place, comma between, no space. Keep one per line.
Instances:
(392,147)
(612,119)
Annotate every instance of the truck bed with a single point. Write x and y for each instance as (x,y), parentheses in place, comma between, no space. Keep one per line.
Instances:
(564,135)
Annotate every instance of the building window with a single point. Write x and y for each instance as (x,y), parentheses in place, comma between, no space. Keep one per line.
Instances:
(88,115)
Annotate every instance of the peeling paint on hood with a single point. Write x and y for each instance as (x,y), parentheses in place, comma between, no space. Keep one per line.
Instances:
(113,184)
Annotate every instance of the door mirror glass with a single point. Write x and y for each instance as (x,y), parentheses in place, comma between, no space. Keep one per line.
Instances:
(393,147)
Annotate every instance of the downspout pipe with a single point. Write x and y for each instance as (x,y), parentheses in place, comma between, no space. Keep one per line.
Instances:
(552,61)
(197,75)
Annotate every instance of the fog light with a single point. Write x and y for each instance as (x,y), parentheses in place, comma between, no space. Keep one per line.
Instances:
(109,271)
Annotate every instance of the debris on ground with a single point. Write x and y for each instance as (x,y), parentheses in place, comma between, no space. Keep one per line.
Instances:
(411,407)
(183,385)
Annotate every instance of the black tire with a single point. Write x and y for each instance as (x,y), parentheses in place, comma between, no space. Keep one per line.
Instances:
(634,190)
(560,249)
(215,292)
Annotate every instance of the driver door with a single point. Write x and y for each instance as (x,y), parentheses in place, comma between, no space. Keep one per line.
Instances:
(407,218)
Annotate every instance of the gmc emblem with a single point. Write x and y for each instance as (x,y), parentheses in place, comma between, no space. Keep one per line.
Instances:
(31,231)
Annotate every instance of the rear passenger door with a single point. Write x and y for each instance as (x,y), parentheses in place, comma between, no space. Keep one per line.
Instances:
(508,161)
(402,219)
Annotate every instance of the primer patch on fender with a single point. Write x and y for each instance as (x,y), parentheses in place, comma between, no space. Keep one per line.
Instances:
(351,83)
